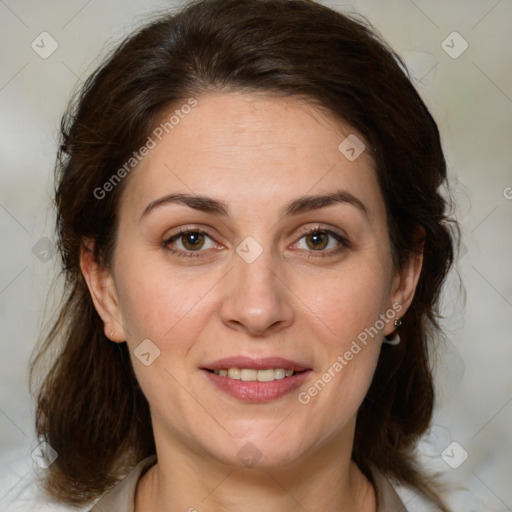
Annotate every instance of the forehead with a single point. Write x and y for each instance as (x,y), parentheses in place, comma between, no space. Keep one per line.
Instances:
(246,147)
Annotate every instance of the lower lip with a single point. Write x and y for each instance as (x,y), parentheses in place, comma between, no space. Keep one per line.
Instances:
(254,391)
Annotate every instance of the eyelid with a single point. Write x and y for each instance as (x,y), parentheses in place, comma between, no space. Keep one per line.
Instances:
(340,238)
(318,227)
(168,240)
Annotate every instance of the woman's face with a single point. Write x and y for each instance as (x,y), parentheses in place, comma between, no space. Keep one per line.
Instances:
(286,264)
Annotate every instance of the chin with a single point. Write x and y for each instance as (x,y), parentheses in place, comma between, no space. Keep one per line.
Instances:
(258,451)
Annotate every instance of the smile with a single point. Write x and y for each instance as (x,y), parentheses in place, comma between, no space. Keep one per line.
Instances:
(250,374)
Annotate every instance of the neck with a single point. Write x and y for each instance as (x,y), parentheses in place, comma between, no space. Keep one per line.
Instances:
(184,480)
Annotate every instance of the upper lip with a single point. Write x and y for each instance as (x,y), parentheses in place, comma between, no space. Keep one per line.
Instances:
(263,363)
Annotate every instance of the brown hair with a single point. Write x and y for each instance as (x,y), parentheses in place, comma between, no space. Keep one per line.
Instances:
(90,407)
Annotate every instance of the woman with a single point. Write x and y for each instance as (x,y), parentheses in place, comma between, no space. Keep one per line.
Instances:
(254,242)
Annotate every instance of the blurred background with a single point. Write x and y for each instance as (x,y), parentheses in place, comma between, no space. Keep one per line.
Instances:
(459,55)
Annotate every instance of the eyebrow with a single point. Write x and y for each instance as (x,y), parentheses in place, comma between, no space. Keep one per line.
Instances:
(200,203)
(308,203)
(296,207)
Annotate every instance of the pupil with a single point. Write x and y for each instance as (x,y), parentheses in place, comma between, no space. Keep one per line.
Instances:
(193,240)
(318,240)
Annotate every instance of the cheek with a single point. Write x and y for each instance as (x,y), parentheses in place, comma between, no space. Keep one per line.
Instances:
(350,301)
(170,309)
(349,306)
(156,301)
(349,354)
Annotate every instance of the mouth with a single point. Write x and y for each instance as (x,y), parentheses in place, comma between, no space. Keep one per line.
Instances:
(256,380)
(252,375)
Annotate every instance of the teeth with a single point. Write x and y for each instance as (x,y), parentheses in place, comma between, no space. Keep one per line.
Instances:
(250,375)
(265,375)
(279,373)
(234,373)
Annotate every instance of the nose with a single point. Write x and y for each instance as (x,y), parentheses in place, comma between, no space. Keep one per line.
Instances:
(256,300)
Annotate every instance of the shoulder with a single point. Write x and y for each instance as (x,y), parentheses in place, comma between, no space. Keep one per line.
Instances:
(122,495)
(388,499)
(20,490)
(394,497)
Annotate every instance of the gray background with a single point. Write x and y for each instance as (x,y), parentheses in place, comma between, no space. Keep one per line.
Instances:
(471,98)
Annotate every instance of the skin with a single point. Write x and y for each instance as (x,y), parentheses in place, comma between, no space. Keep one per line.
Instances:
(256,154)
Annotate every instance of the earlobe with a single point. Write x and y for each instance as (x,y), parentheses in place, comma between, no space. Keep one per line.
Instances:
(103,293)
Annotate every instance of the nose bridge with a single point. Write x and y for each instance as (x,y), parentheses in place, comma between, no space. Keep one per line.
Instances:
(255,277)
(256,299)
(254,258)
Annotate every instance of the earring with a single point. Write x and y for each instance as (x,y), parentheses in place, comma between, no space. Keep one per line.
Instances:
(393,338)
(112,335)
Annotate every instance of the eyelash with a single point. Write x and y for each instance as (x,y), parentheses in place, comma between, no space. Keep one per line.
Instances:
(343,243)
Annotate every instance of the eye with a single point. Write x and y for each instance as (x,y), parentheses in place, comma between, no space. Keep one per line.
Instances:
(321,240)
(189,241)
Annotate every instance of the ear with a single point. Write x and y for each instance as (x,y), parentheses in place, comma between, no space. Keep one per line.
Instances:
(405,282)
(103,292)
